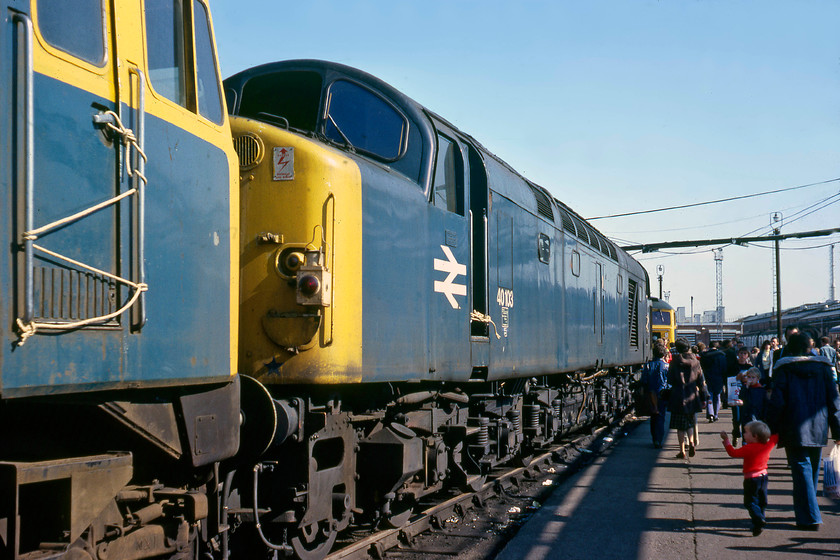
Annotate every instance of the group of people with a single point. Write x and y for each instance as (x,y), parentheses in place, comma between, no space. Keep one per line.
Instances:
(787,396)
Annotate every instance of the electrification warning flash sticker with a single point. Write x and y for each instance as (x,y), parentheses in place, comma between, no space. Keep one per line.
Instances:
(284,164)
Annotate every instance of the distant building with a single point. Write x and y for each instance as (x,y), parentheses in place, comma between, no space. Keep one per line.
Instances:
(815,319)
(706,333)
(706,327)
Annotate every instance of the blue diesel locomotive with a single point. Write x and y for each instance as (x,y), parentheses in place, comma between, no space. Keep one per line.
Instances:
(119,397)
(413,312)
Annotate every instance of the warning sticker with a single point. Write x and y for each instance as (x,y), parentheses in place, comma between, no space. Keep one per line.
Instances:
(284,164)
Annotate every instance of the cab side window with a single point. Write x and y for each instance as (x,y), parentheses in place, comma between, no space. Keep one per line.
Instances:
(360,119)
(448,186)
(75,27)
(165,42)
(207,78)
(168,34)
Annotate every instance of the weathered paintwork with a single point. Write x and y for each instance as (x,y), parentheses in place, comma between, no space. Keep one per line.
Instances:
(191,206)
(415,274)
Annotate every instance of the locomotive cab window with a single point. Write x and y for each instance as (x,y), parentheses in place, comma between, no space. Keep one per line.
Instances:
(206,76)
(170,26)
(448,188)
(60,22)
(291,97)
(165,39)
(360,119)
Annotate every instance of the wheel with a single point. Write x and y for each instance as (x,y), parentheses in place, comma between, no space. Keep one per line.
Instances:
(314,541)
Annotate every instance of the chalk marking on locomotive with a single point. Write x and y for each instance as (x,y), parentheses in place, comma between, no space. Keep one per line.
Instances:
(448,287)
(284,163)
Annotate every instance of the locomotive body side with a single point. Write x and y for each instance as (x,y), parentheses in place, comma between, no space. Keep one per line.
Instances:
(571,307)
(557,303)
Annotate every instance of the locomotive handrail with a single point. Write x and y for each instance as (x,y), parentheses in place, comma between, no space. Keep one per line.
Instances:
(27,326)
(25,157)
(139,182)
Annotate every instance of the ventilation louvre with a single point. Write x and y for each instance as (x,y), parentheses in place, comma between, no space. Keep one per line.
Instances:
(249,148)
(544,208)
(72,295)
(633,312)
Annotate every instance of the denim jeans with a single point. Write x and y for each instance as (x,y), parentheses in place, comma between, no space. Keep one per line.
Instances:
(657,424)
(805,470)
(713,406)
(736,421)
(755,498)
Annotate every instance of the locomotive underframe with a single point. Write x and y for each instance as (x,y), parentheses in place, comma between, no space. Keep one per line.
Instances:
(369,456)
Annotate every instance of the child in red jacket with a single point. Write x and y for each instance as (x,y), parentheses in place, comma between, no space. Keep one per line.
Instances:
(756,451)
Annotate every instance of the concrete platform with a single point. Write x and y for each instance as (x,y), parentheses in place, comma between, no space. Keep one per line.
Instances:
(637,502)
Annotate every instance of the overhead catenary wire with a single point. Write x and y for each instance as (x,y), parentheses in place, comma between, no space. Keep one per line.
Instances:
(799,208)
(694,204)
(744,238)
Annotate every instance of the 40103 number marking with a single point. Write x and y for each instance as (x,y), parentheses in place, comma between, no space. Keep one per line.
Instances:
(504,297)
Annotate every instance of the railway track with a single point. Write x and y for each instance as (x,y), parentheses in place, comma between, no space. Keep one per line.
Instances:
(475,525)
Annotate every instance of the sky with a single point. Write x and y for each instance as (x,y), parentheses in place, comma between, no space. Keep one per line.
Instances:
(617,106)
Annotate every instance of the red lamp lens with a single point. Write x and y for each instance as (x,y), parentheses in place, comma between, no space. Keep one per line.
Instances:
(309,285)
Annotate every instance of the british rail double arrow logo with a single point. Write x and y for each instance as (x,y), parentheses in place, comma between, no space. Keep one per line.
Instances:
(454,269)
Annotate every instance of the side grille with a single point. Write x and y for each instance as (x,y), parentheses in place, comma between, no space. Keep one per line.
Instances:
(543,203)
(568,224)
(633,312)
(72,295)
(581,230)
(250,150)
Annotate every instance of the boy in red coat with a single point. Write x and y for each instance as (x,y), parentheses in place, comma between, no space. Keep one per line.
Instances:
(756,451)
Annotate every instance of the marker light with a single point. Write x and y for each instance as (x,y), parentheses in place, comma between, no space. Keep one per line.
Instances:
(294,261)
(309,285)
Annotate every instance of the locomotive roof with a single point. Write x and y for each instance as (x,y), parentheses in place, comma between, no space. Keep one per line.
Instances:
(419,113)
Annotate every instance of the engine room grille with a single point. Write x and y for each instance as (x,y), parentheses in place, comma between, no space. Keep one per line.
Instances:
(71,295)
(249,148)
(543,203)
(568,224)
(633,312)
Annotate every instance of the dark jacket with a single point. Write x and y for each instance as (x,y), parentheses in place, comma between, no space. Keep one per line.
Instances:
(655,376)
(714,365)
(804,403)
(755,403)
(687,383)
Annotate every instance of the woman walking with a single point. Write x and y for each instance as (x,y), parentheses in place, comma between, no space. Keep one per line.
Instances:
(687,396)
